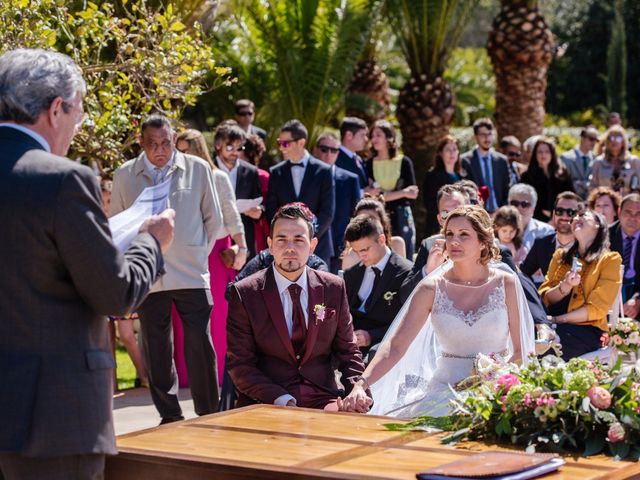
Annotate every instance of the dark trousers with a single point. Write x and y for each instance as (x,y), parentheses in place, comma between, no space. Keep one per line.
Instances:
(194,307)
(577,340)
(70,467)
(402,225)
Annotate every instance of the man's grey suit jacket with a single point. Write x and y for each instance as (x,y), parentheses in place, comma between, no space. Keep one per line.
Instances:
(61,274)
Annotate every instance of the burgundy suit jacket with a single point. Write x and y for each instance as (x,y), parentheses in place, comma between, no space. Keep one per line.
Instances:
(260,356)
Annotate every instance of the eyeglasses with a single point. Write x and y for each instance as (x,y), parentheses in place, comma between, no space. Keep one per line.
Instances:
(81,115)
(444,214)
(592,139)
(570,212)
(514,154)
(160,146)
(615,138)
(231,148)
(244,114)
(518,203)
(286,143)
(327,149)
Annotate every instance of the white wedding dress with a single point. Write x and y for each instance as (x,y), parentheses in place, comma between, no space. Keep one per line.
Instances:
(464,321)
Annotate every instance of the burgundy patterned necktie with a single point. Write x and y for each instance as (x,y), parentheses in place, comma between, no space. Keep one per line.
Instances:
(299,328)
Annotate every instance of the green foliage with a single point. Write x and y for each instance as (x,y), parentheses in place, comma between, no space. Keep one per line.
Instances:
(471,77)
(428,30)
(617,65)
(295,59)
(125,370)
(135,62)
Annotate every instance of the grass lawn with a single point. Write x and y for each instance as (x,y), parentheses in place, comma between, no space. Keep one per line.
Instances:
(125,369)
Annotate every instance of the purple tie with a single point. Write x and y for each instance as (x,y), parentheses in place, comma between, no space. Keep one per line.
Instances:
(299,328)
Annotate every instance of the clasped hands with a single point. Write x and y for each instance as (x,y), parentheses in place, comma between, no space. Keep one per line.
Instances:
(357,401)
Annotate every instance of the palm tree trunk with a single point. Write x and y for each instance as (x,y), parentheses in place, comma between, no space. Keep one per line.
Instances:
(521,47)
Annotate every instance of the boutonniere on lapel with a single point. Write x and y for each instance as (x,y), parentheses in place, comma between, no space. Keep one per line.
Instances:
(388,296)
(321,312)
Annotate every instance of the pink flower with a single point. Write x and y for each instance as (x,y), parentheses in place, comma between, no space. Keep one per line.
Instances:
(600,397)
(506,382)
(527,399)
(604,340)
(615,433)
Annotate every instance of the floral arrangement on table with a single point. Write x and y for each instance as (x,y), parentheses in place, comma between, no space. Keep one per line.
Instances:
(548,405)
(624,337)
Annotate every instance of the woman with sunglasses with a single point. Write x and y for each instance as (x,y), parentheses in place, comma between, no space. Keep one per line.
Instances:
(605,201)
(616,167)
(548,176)
(391,174)
(447,170)
(581,286)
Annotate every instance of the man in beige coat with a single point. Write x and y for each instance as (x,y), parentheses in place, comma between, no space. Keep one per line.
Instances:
(186,284)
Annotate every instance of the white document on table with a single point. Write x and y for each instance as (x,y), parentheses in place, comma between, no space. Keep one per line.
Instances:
(126,224)
(245,204)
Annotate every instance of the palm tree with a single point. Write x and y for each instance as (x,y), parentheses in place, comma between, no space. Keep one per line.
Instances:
(521,47)
(305,52)
(428,31)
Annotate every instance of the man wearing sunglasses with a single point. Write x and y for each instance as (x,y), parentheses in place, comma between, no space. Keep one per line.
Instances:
(524,197)
(229,142)
(566,207)
(245,115)
(303,178)
(348,193)
(579,161)
(511,147)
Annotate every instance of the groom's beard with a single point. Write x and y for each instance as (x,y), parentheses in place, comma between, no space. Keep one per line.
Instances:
(289,265)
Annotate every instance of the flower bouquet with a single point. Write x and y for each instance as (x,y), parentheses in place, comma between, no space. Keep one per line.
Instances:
(624,337)
(548,405)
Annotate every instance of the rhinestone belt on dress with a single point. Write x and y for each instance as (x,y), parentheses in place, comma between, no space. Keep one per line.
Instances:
(502,353)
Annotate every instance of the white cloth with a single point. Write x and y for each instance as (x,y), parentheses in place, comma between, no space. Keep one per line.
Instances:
(535,229)
(369,277)
(464,321)
(231,173)
(297,173)
(36,136)
(287,305)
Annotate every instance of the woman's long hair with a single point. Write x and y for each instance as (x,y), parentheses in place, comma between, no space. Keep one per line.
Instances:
(439,165)
(390,135)
(624,149)
(598,247)
(197,145)
(556,169)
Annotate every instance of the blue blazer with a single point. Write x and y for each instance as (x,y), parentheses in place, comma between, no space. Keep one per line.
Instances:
(348,163)
(317,192)
(348,194)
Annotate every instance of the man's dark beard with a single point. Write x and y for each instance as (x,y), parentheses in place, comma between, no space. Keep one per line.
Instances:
(288,266)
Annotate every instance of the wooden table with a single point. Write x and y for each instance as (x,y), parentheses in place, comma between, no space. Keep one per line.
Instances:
(271,442)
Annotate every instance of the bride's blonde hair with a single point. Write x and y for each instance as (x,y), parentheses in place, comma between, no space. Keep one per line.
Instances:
(481,223)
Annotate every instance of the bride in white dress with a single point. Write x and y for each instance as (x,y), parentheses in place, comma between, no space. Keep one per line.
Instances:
(471,304)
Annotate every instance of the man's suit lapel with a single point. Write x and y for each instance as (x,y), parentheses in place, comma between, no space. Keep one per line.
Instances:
(476,168)
(354,300)
(316,297)
(388,274)
(288,180)
(242,182)
(276,313)
(307,179)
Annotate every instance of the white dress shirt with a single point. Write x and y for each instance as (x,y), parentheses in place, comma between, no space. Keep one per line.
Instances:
(297,173)
(535,229)
(36,136)
(232,173)
(287,307)
(369,277)
(159,174)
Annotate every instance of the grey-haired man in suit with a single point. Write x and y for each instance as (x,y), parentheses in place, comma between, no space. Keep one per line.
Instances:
(61,275)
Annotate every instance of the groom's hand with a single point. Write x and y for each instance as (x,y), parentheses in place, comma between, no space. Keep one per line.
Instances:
(356,401)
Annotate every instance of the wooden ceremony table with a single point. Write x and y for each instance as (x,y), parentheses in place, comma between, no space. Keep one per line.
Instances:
(264,441)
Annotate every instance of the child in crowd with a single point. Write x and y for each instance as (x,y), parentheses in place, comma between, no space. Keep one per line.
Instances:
(507,228)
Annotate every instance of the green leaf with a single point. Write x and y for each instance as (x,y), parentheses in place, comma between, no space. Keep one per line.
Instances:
(593,445)
(177,26)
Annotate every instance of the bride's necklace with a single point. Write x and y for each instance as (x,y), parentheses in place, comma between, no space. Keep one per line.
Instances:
(475,282)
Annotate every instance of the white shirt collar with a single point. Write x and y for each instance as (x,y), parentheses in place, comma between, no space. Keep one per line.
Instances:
(383,262)
(305,159)
(224,167)
(347,151)
(283,282)
(151,167)
(26,130)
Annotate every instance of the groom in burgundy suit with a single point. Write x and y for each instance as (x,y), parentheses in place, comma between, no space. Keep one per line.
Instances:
(289,326)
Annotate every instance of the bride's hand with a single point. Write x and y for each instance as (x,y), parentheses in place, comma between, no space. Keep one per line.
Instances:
(356,401)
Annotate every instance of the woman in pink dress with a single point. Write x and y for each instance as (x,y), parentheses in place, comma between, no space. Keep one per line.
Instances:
(192,142)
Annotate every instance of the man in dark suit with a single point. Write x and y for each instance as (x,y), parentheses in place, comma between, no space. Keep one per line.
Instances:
(624,236)
(348,193)
(61,275)
(302,178)
(536,264)
(228,142)
(486,167)
(245,115)
(353,135)
(289,325)
(374,285)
